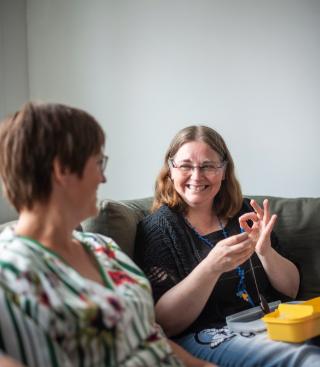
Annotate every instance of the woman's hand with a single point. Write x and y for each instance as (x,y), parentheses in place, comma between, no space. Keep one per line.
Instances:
(192,292)
(282,273)
(230,253)
(263,224)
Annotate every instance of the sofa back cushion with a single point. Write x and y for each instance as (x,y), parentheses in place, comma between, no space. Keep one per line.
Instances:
(118,220)
(298,230)
(297,227)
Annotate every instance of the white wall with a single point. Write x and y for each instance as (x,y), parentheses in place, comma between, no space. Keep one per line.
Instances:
(146,68)
(13,68)
(13,56)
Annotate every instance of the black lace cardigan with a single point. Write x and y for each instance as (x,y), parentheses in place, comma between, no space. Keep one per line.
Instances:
(167,249)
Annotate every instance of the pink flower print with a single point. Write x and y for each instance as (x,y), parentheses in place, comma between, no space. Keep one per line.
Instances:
(119,277)
(106,250)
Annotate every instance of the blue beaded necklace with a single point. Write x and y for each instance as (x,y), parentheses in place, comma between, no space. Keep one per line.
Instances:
(241,288)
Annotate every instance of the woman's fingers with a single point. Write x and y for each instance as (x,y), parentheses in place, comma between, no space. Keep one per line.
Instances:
(235,239)
(237,256)
(232,251)
(264,241)
(269,227)
(243,221)
(266,209)
(262,214)
(256,207)
(237,244)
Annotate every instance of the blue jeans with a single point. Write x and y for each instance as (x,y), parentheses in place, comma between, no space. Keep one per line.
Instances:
(253,350)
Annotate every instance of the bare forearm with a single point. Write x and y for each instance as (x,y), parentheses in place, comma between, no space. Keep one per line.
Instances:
(183,303)
(282,273)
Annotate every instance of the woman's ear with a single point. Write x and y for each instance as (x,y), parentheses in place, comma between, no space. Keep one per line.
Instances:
(59,172)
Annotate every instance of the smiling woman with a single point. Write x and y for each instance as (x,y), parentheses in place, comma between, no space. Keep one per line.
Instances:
(203,266)
(197,172)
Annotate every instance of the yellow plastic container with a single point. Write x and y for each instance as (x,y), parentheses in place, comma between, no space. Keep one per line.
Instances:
(294,323)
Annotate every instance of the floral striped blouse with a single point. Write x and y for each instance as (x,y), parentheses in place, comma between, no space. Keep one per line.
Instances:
(50,315)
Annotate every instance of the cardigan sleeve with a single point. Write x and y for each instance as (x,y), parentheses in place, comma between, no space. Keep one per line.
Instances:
(155,254)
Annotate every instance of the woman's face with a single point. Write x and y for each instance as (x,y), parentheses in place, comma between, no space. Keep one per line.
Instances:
(197,172)
(83,191)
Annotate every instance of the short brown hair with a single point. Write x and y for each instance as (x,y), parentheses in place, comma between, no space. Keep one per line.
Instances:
(33,137)
(227,202)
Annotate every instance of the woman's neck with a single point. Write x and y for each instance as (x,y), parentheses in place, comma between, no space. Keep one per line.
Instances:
(46,225)
(204,221)
(52,230)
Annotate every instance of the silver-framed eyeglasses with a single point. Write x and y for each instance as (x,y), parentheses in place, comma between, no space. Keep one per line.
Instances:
(209,168)
(102,162)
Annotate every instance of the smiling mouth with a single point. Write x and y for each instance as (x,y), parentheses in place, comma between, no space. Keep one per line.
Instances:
(197,188)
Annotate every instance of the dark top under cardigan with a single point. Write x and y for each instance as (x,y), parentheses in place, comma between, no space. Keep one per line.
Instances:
(167,249)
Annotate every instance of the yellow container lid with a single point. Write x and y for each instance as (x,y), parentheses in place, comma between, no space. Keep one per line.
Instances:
(294,322)
(315,302)
(288,314)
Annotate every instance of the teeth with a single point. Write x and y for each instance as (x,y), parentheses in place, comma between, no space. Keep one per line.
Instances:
(197,188)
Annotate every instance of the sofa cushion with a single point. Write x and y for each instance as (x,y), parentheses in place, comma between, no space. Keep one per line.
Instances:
(298,230)
(118,220)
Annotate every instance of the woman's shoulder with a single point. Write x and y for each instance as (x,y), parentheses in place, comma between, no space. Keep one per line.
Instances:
(160,227)
(21,267)
(164,210)
(15,252)
(162,217)
(95,240)
(106,249)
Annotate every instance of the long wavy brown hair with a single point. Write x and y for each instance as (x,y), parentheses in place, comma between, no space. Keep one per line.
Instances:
(227,202)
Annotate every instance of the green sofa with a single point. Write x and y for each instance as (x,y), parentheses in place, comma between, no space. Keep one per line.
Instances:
(298,229)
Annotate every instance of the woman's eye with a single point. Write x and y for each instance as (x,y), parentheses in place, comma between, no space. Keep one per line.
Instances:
(208,167)
(186,167)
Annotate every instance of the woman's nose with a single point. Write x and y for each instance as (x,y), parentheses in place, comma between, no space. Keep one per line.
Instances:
(196,172)
(103,178)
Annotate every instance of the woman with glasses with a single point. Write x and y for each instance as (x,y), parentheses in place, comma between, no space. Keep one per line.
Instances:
(68,298)
(210,253)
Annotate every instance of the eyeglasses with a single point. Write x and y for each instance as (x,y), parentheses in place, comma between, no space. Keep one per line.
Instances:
(102,162)
(206,168)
